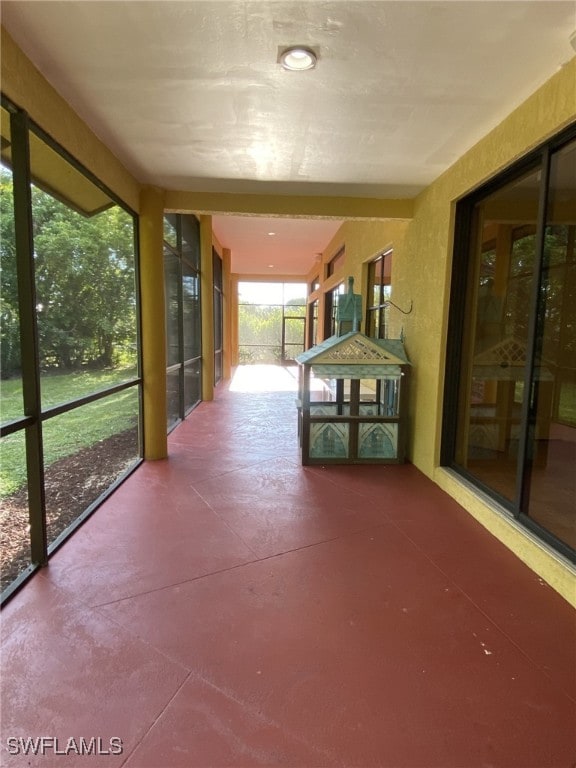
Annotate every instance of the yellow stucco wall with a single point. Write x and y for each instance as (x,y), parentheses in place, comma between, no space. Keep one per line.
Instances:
(421,273)
(153,313)
(426,263)
(304,206)
(554,569)
(423,270)
(363,240)
(23,84)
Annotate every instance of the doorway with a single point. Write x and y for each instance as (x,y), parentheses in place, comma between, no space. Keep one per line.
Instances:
(271,322)
(293,336)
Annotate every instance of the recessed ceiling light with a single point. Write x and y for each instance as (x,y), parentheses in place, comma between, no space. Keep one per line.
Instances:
(298,58)
(271,233)
(270,266)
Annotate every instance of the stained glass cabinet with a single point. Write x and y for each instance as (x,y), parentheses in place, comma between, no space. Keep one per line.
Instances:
(353,401)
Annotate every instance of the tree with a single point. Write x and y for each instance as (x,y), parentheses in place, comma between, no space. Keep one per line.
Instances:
(85,284)
(9,318)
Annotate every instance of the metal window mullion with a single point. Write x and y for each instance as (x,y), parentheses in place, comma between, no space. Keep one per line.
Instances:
(29,335)
(283,336)
(529,404)
(182,406)
(140,362)
(199,269)
(10,427)
(58,410)
(180,246)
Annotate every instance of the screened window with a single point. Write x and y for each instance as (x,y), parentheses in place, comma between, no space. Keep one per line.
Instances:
(218,316)
(271,322)
(337,261)
(331,300)
(70,332)
(183,315)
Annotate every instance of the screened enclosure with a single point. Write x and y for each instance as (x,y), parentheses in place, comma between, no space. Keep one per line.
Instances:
(71,389)
(271,322)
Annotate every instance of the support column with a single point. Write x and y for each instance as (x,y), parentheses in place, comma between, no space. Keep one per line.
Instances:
(207,298)
(153,322)
(227,312)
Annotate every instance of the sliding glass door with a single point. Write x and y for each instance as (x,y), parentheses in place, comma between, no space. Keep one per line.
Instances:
(549,491)
(510,405)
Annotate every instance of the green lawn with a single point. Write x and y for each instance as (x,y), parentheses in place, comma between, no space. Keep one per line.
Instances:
(66,434)
(58,388)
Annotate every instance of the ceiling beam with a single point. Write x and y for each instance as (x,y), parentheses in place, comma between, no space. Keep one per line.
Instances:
(284,205)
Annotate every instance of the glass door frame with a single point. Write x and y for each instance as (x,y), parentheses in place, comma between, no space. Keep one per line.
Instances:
(291,318)
(538,160)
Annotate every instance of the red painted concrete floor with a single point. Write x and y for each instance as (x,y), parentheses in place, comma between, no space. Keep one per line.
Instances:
(228,607)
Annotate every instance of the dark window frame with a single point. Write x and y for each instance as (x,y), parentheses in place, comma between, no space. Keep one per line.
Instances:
(331,299)
(21,127)
(464,233)
(189,259)
(377,309)
(312,324)
(218,309)
(336,261)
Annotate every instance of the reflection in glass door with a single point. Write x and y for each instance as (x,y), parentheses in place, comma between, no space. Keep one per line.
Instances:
(492,393)
(550,481)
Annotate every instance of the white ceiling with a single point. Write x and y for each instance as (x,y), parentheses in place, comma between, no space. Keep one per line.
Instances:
(189,95)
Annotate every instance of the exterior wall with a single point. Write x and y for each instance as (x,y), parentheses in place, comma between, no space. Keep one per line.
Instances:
(28,89)
(427,261)
(363,240)
(424,271)
(421,272)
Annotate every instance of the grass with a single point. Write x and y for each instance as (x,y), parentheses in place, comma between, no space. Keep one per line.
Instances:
(59,388)
(67,434)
